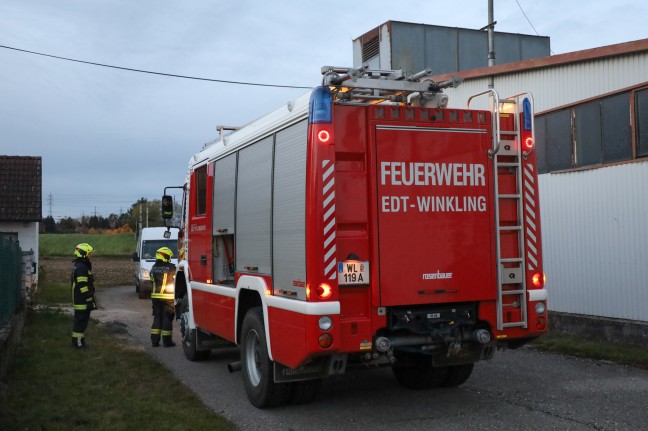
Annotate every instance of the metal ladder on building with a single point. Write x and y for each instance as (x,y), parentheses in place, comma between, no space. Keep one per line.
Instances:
(507,154)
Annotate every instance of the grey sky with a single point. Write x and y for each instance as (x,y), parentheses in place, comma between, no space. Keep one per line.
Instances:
(108,137)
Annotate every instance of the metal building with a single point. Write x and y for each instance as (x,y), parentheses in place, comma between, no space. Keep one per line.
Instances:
(592,140)
(414,47)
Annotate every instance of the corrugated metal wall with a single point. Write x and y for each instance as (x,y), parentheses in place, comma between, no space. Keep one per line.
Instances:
(414,47)
(594,222)
(561,85)
(595,240)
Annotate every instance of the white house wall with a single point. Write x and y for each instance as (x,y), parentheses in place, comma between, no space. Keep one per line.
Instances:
(595,240)
(27,235)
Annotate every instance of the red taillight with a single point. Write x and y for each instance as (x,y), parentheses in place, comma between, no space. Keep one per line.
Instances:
(325,341)
(528,143)
(324,136)
(323,291)
(541,323)
(538,279)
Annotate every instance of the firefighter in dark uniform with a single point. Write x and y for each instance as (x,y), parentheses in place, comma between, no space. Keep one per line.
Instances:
(83,300)
(162,288)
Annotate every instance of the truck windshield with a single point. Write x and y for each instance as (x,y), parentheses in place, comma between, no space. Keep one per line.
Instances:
(150,247)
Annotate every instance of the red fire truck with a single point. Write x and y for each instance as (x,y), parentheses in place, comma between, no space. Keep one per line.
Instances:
(364,224)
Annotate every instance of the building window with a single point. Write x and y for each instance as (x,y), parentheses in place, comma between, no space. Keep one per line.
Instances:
(541,143)
(641,108)
(592,133)
(558,140)
(616,131)
(587,130)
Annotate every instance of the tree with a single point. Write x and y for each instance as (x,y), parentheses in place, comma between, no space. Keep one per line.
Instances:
(138,213)
(67,225)
(49,224)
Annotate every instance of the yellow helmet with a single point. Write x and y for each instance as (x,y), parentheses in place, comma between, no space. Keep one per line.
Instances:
(164,254)
(83,250)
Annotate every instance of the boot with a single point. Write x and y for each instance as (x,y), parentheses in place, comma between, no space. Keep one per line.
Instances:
(78,343)
(167,341)
(155,340)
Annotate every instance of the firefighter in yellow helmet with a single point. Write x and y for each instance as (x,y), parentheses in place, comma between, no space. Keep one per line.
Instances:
(83,300)
(162,290)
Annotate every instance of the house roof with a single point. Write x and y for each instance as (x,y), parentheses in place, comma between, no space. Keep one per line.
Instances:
(619,49)
(20,189)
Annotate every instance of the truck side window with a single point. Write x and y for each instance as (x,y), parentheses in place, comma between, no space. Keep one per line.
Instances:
(201,190)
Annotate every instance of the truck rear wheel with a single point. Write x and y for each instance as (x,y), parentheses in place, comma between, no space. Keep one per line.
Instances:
(458,374)
(415,371)
(258,369)
(189,336)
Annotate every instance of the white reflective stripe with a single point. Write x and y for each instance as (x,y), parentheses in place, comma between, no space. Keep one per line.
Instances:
(303,307)
(328,218)
(538,294)
(216,289)
(330,253)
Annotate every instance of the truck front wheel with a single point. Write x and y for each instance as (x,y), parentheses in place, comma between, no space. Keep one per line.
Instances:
(189,336)
(258,369)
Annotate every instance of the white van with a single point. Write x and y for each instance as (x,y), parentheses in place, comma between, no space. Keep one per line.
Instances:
(149,241)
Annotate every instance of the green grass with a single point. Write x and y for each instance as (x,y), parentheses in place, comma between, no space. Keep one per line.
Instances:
(110,386)
(580,347)
(56,293)
(109,245)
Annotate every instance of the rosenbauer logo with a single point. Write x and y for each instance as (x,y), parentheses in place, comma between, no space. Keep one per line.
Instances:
(437,275)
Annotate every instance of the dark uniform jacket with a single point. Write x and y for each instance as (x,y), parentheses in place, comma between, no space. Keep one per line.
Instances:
(162,284)
(83,285)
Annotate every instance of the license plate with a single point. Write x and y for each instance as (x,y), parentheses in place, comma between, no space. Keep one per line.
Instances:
(353,272)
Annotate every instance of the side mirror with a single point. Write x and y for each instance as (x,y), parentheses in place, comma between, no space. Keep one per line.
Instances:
(135,257)
(167,207)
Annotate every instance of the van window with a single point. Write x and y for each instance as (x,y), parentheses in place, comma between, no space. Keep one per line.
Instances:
(151,246)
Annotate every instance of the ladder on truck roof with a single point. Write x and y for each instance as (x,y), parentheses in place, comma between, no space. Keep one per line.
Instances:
(507,156)
(364,85)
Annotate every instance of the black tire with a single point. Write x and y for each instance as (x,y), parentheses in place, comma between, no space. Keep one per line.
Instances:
(258,369)
(188,336)
(305,391)
(415,371)
(143,293)
(457,375)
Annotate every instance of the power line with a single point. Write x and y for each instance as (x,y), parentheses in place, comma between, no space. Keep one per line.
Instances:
(529,21)
(527,18)
(222,81)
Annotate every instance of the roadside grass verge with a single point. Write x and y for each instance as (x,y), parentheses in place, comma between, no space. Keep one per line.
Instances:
(571,345)
(110,386)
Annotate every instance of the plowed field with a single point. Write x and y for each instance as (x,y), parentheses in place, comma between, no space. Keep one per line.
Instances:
(107,271)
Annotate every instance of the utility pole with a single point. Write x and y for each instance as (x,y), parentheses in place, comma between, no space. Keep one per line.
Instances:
(491,41)
(49,202)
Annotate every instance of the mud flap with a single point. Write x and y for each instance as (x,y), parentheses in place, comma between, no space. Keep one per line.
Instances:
(315,369)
